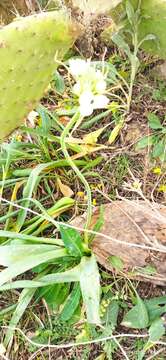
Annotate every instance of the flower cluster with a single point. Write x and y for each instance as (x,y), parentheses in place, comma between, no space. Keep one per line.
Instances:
(90,86)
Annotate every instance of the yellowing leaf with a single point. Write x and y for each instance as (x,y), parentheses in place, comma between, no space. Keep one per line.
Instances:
(72,140)
(92,138)
(115,132)
(15,190)
(88,149)
(65,190)
(89,139)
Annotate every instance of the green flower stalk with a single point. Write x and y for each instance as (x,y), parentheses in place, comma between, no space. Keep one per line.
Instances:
(90,88)
(74,120)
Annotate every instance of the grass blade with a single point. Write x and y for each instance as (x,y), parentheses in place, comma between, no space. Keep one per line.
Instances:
(24,300)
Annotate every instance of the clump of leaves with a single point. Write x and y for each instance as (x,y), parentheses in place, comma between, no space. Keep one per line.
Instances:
(59,331)
(157,140)
(127,39)
(159,94)
(147,314)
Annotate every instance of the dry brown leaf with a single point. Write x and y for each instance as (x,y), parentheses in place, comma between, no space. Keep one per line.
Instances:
(65,189)
(64,120)
(132,222)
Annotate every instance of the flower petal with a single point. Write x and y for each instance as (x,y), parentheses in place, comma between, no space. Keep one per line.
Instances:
(86,103)
(100,101)
(77,88)
(86,110)
(78,66)
(86,98)
(100,86)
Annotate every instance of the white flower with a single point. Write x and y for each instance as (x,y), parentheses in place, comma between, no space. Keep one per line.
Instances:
(90,86)
(100,101)
(101,86)
(86,103)
(77,88)
(89,102)
(78,67)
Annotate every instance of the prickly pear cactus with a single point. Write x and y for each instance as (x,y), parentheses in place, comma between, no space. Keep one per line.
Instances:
(28,48)
(153,22)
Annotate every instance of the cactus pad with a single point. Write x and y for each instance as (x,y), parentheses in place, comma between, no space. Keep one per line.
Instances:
(27,61)
(153,22)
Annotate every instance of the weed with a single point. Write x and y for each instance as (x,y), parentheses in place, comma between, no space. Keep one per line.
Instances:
(159,94)
(156,141)
(131,48)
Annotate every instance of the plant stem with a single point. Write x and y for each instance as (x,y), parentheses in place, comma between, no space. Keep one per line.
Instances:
(133,74)
(65,133)
(134,67)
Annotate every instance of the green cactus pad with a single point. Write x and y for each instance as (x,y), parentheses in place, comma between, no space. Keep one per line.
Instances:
(153,22)
(28,48)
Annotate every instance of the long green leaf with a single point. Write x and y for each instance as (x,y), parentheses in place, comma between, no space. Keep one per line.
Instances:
(121,43)
(51,166)
(28,262)
(130,12)
(71,303)
(11,254)
(90,288)
(28,191)
(24,237)
(66,276)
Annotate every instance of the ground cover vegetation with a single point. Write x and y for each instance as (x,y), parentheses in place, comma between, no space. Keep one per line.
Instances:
(78,133)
